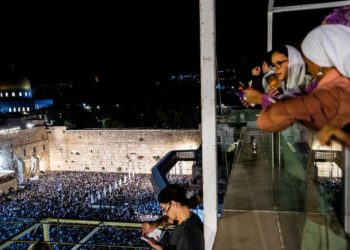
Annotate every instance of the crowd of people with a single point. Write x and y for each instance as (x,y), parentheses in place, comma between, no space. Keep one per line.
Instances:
(85,196)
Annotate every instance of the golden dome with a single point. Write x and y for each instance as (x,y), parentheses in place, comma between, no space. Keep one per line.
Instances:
(13,80)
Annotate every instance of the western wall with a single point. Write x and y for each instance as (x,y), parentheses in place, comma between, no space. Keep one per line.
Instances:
(29,151)
(112,150)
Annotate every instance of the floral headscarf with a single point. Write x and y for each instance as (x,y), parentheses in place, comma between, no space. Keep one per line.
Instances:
(339,15)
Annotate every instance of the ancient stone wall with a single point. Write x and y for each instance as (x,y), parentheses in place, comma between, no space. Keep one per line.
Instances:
(7,186)
(25,151)
(116,150)
(29,151)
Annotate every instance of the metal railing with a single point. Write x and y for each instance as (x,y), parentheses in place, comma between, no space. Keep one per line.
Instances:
(73,234)
(159,171)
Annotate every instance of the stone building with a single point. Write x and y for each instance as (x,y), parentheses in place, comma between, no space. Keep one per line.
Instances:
(16,95)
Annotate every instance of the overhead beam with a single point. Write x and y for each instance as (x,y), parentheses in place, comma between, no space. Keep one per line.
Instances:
(309,6)
(271,10)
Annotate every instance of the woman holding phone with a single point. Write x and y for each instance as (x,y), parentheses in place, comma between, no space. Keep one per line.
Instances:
(327,53)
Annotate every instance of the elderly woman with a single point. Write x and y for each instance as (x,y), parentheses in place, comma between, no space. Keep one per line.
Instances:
(289,68)
(327,55)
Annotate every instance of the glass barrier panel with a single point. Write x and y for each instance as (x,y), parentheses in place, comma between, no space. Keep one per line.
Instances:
(309,182)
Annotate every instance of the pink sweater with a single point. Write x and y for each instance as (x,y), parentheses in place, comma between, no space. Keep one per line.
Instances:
(328,104)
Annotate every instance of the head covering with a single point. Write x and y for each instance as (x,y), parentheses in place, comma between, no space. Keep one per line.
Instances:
(339,15)
(297,79)
(264,81)
(329,46)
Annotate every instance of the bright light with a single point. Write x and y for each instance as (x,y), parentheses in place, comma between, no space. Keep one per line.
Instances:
(328,169)
(10,130)
(29,125)
(86,106)
(335,146)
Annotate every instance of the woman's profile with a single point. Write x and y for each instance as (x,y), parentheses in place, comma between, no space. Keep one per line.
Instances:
(175,204)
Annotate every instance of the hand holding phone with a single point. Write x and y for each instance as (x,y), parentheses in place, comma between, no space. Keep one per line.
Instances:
(156,234)
(145,239)
(152,243)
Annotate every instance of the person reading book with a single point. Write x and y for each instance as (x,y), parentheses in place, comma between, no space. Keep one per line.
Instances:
(175,204)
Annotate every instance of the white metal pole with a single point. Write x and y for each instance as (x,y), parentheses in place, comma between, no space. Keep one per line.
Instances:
(270,24)
(209,154)
(346,161)
(269,30)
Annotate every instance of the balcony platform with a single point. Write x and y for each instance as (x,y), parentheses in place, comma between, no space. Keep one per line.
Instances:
(249,219)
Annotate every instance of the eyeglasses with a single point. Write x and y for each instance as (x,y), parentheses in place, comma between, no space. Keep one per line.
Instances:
(278,64)
(165,211)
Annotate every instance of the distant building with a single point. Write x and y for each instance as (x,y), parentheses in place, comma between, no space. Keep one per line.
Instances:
(16,95)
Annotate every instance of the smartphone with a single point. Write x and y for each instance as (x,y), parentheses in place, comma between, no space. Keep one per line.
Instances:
(240,91)
(156,234)
(144,238)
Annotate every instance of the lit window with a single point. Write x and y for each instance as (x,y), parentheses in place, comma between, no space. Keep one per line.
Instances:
(23,109)
(20,93)
(14,109)
(25,93)
(6,94)
(13,94)
(1,94)
(10,109)
(27,108)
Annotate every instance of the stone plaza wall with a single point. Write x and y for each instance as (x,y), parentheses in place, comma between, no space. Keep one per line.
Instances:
(114,150)
(26,151)
(7,186)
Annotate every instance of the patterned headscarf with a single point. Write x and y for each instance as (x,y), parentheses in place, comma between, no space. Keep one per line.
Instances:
(339,15)
(329,46)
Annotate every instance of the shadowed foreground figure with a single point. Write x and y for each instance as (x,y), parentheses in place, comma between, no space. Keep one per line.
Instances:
(175,203)
(40,246)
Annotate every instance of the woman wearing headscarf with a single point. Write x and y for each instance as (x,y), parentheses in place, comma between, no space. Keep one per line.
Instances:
(340,15)
(289,69)
(327,55)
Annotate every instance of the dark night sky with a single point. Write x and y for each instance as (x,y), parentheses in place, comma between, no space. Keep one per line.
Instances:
(130,42)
